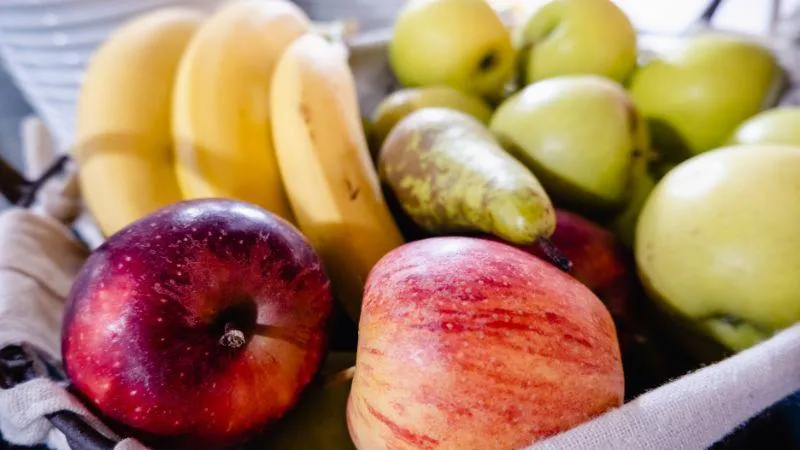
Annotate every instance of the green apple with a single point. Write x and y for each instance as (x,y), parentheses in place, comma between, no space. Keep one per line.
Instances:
(319,419)
(717,242)
(695,96)
(569,37)
(458,43)
(405,101)
(580,134)
(773,126)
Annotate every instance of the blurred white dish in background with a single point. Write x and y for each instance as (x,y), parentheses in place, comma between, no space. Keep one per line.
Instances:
(46,44)
(370,14)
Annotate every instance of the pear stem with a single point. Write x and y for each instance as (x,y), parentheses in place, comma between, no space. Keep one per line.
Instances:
(555,256)
(233,337)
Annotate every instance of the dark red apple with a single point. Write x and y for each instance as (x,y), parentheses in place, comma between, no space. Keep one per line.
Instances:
(473,344)
(199,324)
(598,259)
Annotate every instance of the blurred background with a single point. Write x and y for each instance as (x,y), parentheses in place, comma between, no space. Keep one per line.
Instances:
(44,44)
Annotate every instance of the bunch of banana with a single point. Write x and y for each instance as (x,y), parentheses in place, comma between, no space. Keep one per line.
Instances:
(249,103)
(221,116)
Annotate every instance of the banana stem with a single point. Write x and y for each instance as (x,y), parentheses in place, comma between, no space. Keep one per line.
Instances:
(553,254)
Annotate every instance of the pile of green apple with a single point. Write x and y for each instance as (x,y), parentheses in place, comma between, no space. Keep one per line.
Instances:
(682,155)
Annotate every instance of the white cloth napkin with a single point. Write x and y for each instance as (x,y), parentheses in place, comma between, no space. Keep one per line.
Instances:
(23,410)
(699,409)
(39,258)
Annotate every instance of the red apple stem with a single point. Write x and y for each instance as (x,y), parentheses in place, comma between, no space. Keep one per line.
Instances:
(233,337)
(555,256)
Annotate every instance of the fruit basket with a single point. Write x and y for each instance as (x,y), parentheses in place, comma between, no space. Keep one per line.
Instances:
(676,395)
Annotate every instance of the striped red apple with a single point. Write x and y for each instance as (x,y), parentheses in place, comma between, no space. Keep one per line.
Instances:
(470,343)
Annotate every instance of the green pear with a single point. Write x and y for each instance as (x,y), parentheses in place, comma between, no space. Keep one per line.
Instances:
(697,94)
(319,419)
(405,101)
(580,134)
(717,242)
(458,43)
(450,175)
(773,126)
(573,37)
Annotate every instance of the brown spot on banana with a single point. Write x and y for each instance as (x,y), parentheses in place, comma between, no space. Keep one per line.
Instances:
(305,113)
(352,189)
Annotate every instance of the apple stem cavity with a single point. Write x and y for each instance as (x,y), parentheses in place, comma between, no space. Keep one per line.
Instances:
(233,337)
(487,62)
(554,255)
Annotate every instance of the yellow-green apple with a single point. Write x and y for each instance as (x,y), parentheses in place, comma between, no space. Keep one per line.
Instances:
(318,421)
(696,95)
(199,324)
(773,126)
(717,242)
(572,37)
(403,102)
(469,343)
(580,134)
(459,43)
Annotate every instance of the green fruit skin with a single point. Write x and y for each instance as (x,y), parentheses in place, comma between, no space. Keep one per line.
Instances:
(401,103)
(624,224)
(580,134)
(572,37)
(458,43)
(450,175)
(695,97)
(773,126)
(319,419)
(718,243)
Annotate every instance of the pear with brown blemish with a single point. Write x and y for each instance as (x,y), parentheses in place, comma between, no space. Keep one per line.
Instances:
(451,176)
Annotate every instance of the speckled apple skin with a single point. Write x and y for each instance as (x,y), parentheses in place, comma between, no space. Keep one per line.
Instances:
(140,342)
(465,343)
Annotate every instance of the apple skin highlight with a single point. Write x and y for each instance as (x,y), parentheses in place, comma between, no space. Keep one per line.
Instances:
(144,320)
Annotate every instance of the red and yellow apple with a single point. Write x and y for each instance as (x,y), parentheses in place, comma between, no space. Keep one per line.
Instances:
(469,343)
(598,259)
(199,324)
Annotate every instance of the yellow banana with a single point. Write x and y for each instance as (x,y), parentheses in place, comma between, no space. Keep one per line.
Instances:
(221,107)
(326,166)
(124,139)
